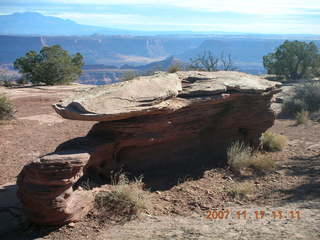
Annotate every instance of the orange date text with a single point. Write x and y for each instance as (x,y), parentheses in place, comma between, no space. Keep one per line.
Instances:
(254,214)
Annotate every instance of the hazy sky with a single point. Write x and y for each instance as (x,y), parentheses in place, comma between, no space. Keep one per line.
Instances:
(259,16)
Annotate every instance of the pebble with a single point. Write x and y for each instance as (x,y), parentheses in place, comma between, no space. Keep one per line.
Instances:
(72,225)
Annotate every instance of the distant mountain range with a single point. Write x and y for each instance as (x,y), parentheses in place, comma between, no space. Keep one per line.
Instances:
(33,23)
(22,32)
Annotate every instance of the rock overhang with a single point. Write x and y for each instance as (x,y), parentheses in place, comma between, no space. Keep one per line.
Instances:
(159,93)
(165,121)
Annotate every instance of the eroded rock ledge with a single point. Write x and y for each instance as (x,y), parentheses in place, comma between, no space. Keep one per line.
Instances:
(164,121)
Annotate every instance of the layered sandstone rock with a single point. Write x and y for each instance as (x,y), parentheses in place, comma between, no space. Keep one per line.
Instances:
(46,189)
(165,121)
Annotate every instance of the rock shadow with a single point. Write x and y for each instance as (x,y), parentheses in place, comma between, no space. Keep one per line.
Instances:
(13,222)
(164,179)
(310,190)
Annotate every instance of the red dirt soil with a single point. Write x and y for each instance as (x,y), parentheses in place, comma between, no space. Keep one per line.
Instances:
(37,130)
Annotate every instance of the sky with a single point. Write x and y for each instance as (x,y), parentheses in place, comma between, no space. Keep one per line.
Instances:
(246,16)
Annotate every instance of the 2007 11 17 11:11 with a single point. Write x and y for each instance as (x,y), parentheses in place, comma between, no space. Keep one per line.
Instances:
(255,214)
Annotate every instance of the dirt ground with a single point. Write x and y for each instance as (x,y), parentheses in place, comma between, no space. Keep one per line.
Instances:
(36,129)
(181,205)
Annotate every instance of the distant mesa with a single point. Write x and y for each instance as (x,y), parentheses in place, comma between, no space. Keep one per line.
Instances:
(155,66)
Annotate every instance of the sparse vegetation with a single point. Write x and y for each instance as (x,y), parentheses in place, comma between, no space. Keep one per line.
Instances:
(239,155)
(273,142)
(129,75)
(174,68)
(7,77)
(210,63)
(22,81)
(7,83)
(302,117)
(294,60)
(126,201)
(6,108)
(205,62)
(315,116)
(262,162)
(292,106)
(53,65)
(227,63)
(126,76)
(240,190)
(306,97)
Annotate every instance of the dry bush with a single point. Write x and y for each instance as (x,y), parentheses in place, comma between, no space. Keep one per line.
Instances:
(240,190)
(125,202)
(262,162)
(126,76)
(273,142)
(302,117)
(6,108)
(305,96)
(174,68)
(238,155)
(8,84)
(315,116)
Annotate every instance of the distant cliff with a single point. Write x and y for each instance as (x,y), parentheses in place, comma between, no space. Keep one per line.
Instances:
(149,51)
(96,49)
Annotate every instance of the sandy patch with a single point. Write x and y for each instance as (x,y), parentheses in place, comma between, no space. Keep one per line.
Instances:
(44,118)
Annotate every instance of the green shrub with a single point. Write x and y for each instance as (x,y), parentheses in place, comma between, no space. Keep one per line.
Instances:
(6,108)
(306,97)
(294,60)
(238,155)
(302,117)
(273,142)
(52,65)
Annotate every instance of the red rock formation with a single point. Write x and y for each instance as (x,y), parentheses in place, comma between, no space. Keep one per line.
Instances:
(45,189)
(166,121)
